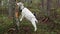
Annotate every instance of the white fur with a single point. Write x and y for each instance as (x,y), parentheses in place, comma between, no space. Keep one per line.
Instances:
(28,15)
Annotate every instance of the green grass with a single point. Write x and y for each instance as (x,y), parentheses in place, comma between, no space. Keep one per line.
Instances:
(7,23)
(4,23)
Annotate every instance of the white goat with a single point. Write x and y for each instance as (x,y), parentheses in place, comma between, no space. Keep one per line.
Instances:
(27,14)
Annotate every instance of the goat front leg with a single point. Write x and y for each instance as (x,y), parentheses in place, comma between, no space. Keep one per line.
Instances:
(22,16)
(34,25)
(21,19)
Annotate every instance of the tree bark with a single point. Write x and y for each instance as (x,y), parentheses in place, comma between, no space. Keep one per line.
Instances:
(42,2)
(0,2)
(48,7)
(58,3)
(11,7)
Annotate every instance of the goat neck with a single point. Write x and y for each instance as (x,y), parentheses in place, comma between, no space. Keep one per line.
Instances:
(22,7)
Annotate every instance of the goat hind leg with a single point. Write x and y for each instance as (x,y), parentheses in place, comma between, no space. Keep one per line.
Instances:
(34,25)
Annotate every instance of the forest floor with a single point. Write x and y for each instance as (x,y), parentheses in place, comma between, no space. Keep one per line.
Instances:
(25,27)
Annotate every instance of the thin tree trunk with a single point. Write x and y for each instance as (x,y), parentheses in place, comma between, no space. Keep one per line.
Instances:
(58,3)
(0,2)
(48,7)
(11,7)
(42,2)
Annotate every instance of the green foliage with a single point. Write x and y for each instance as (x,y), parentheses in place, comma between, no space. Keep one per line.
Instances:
(6,23)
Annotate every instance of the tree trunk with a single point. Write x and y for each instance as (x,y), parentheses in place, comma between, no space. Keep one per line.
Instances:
(58,3)
(48,7)
(0,2)
(42,2)
(11,7)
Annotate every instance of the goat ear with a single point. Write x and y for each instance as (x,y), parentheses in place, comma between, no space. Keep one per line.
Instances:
(21,3)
